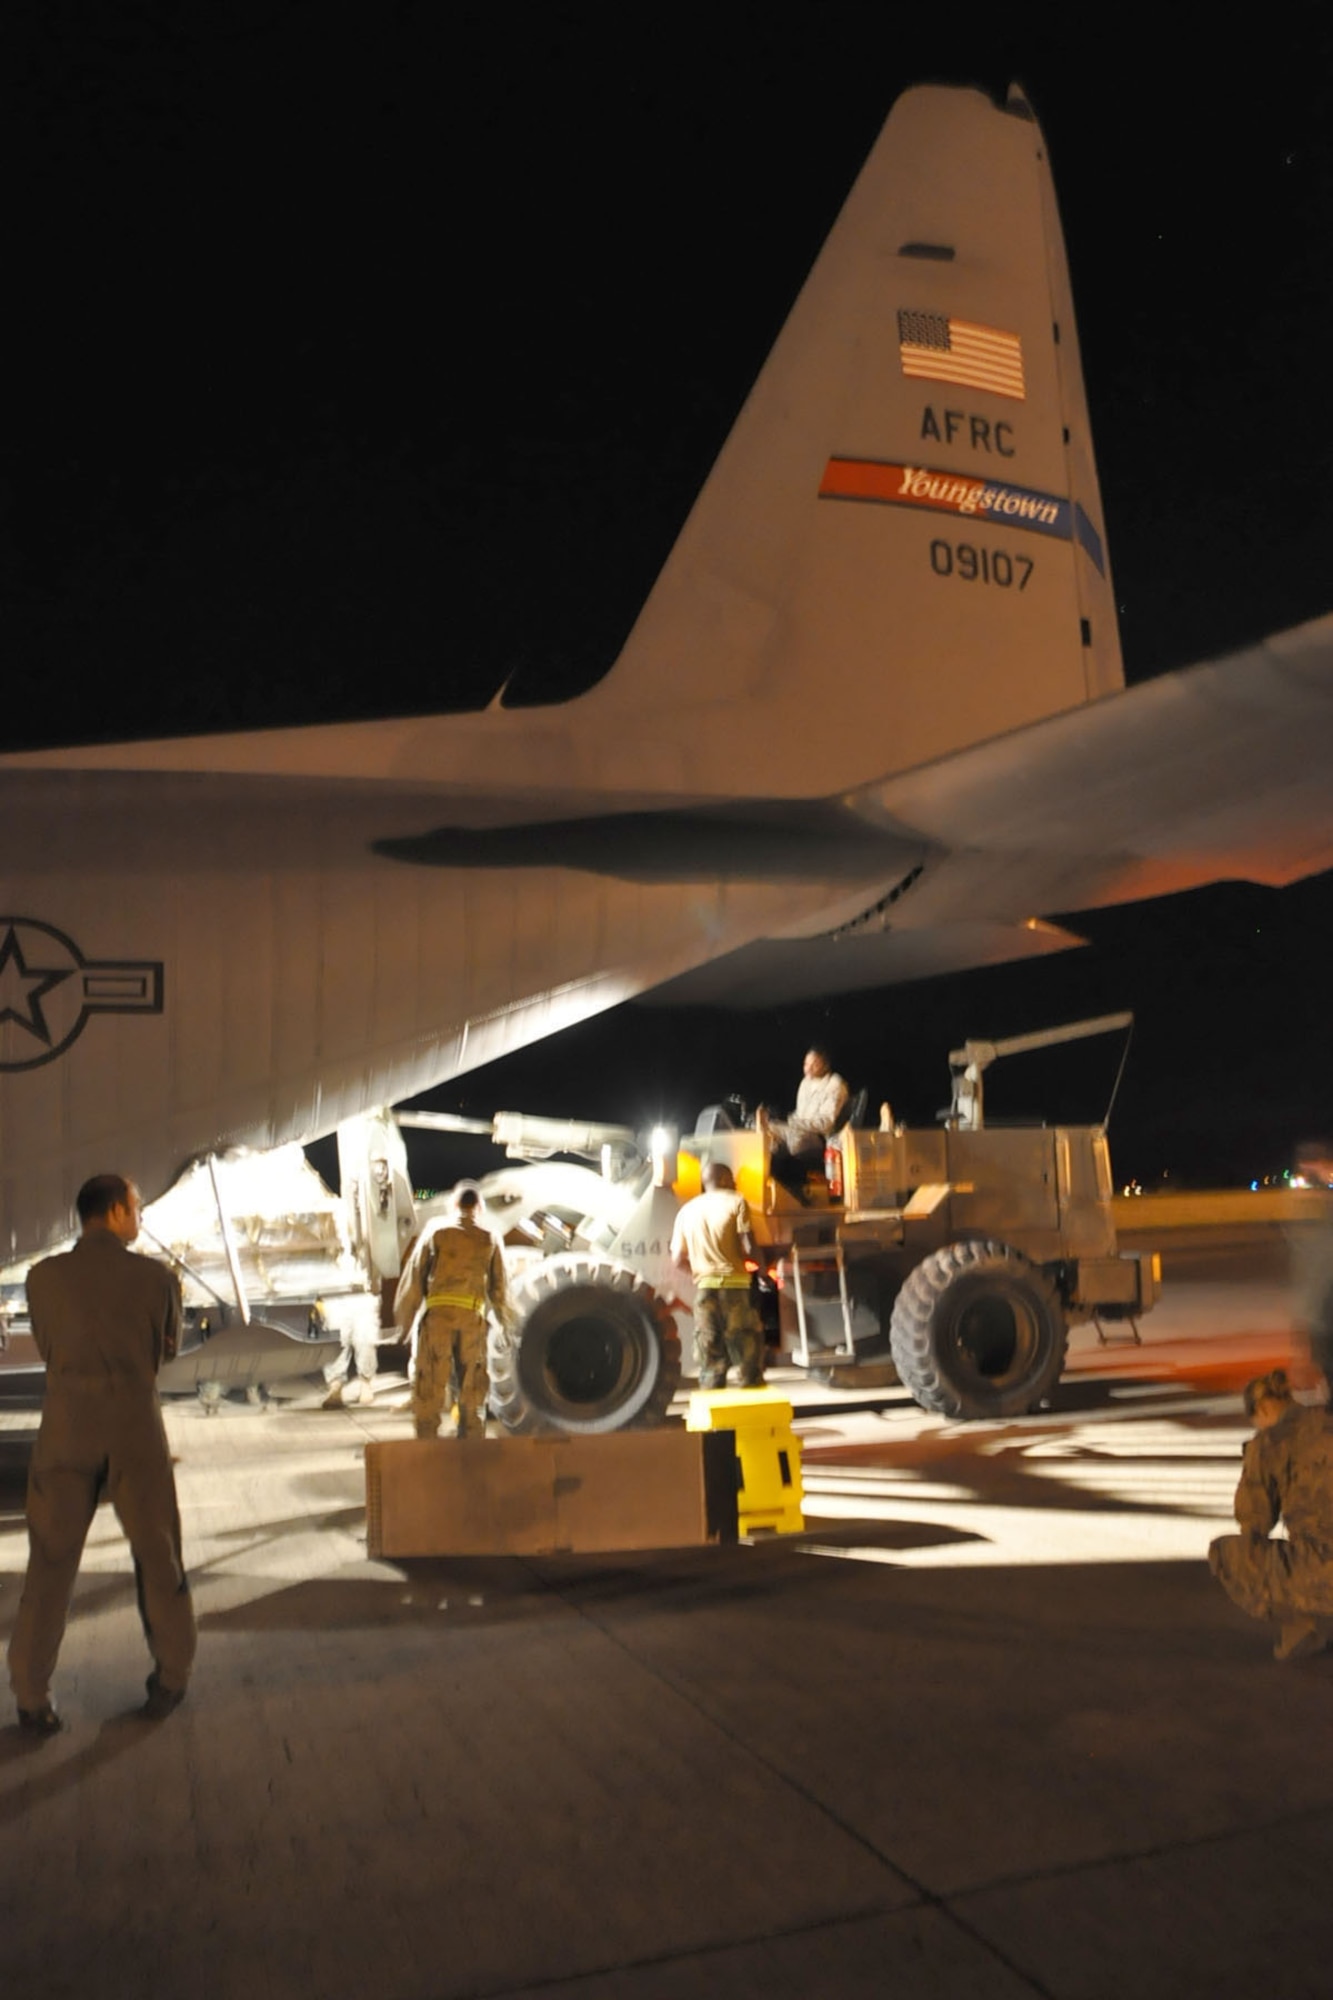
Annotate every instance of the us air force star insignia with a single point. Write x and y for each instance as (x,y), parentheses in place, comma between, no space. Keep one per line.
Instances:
(26,984)
(48,989)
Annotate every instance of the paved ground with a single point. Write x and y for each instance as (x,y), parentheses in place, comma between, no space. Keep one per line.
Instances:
(986,1729)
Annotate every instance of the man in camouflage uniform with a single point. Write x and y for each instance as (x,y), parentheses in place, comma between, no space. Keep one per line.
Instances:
(711,1241)
(1287,1476)
(104,1322)
(456,1272)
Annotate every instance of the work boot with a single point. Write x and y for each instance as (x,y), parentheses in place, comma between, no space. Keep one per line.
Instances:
(42,1721)
(162,1701)
(334,1399)
(1298,1639)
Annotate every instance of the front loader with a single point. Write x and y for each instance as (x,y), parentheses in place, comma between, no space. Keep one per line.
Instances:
(963,1252)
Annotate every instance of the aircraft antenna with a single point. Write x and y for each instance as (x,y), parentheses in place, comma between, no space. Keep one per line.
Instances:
(1124,1058)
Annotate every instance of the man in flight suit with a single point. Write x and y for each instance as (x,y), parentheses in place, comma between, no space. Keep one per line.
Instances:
(457,1271)
(104,1322)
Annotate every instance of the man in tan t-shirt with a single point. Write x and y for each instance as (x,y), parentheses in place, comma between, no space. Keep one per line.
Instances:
(712,1240)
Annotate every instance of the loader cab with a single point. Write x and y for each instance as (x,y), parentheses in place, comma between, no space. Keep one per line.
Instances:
(777,1210)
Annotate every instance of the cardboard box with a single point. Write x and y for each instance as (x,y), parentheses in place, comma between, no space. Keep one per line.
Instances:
(538,1496)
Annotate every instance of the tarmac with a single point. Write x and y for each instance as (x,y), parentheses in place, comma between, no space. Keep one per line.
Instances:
(987,1727)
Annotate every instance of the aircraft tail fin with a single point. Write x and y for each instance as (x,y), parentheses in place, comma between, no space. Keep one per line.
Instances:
(899,553)
(900,550)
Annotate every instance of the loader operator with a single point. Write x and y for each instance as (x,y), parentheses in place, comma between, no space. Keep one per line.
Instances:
(711,1241)
(104,1322)
(457,1272)
(798,1141)
(1287,1476)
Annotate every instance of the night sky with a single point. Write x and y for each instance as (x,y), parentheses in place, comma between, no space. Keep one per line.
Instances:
(368,358)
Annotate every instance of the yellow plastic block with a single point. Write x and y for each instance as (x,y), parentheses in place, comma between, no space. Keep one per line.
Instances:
(768,1457)
(732,1409)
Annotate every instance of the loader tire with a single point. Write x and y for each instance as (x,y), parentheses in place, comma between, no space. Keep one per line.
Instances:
(594,1349)
(978,1331)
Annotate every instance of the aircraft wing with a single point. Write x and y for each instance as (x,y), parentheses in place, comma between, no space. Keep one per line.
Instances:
(1218,772)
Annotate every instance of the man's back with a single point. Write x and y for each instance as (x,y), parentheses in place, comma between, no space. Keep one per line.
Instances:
(103,1321)
(710,1228)
(460,1257)
(102,1317)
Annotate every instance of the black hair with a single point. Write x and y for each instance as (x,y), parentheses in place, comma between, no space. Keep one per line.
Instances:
(97,1197)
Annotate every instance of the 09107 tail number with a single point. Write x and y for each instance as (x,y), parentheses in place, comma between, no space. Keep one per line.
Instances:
(974,565)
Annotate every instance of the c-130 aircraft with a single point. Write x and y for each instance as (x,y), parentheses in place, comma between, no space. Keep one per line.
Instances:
(870,725)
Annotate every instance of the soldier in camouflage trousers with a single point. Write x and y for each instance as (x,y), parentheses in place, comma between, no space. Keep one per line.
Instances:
(457,1273)
(1287,1476)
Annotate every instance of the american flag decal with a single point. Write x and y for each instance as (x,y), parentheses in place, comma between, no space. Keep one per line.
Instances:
(935,348)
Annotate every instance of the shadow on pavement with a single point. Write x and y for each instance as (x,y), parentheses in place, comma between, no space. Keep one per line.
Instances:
(482,1590)
(506,1590)
(1017,1465)
(61,1774)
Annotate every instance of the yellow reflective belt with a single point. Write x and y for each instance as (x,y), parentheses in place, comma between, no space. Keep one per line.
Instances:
(732,1284)
(464,1301)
